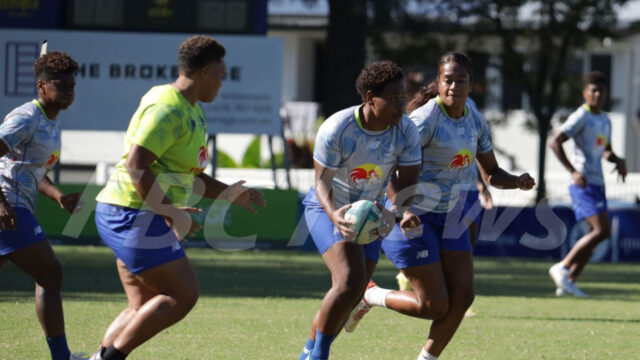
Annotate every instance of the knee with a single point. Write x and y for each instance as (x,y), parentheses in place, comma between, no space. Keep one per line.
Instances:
(465,299)
(351,287)
(189,297)
(602,233)
(433,309)
(50,277)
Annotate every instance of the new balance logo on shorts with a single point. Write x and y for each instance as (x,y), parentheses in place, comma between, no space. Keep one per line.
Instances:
(175,247)
(37,230)
(422,254)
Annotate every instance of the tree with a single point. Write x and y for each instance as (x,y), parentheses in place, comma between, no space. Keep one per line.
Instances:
(346,37)
(537,38)
(537,45)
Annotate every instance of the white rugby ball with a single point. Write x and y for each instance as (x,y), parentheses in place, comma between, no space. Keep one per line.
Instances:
(364,214)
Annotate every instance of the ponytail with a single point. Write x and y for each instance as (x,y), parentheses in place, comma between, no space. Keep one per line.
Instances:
(425,94)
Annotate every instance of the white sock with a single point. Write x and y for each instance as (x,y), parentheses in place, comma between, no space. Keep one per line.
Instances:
(424,355)
(377,296)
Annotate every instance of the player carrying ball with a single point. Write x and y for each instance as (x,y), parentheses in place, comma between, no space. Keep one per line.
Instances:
(438,263)
(356,151)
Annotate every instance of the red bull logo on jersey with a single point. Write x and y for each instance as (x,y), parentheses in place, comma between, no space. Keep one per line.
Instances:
(366,174)
(202,161)
(601,140)
(53,158)
(461,160)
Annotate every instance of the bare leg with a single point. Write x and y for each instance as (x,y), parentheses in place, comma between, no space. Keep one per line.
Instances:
(39,262)
(349,277)
(458,272)
(579,255)
(428,299)
(137,295)
(176,291)
(371,266)
(473,233)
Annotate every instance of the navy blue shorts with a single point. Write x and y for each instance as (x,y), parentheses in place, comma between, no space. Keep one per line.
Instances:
(472,208)
(323,231)
(28,232)
(437,235)
(587,201)
(140,238)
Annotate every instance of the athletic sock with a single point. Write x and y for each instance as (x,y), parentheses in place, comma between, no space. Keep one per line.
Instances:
(424,355)
(59,348)
(307,349)
(322,346)
(111,353)
(377,296)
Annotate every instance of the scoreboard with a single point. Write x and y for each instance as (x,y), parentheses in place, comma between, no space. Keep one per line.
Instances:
(206,16)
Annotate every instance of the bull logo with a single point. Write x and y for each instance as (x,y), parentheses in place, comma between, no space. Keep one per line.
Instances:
(53,158)
(366,174)
(601,140)
(462,159)
(202,157)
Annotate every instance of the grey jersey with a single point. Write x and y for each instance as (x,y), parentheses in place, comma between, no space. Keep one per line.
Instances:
(34,147)
(449,148)
(363,159)
(591,133)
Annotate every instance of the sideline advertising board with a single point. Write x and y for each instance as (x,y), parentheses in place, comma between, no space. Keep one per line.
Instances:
(116,69)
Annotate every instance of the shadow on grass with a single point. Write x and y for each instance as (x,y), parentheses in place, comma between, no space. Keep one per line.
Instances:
(90,274)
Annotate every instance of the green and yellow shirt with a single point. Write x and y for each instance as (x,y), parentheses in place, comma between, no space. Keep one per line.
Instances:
(166,124)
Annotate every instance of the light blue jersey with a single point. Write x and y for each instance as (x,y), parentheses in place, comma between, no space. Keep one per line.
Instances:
(591,133)
(469,178)
(449,148)
(34,147)
(363,159)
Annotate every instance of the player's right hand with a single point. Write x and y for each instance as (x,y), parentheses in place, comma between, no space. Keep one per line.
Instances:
(344,226)
(579,179)
(181,223)
(8,219)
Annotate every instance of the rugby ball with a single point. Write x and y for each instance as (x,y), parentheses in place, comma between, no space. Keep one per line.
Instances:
(364,214)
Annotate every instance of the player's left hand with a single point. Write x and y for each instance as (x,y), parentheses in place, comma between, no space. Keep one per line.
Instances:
(621,167)
(525,182)
(411,225)
(71,203)
(241,195)
(486,200)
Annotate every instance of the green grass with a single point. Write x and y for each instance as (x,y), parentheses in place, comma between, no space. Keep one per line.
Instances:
(259,305)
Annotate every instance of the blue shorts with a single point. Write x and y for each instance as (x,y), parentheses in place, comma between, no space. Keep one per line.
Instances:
(587,201)
(323,231)
(28,232)
(140,238)
(405,253)
(472,208)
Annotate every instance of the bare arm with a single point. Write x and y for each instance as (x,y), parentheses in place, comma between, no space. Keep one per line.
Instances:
(621,165)
(556,146)
(401,192)
(401,188)
(497,177)
(7,215)
(138,166)
(236,193)
(68,202)
(323,185)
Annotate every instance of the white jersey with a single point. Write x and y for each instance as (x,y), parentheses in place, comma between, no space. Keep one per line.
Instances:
(363,159)
(591,133)
(449,148)
(34,147)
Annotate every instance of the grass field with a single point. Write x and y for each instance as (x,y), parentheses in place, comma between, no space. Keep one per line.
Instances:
(259,305)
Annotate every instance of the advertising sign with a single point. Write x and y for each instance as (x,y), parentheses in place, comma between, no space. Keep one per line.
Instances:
(116,69)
